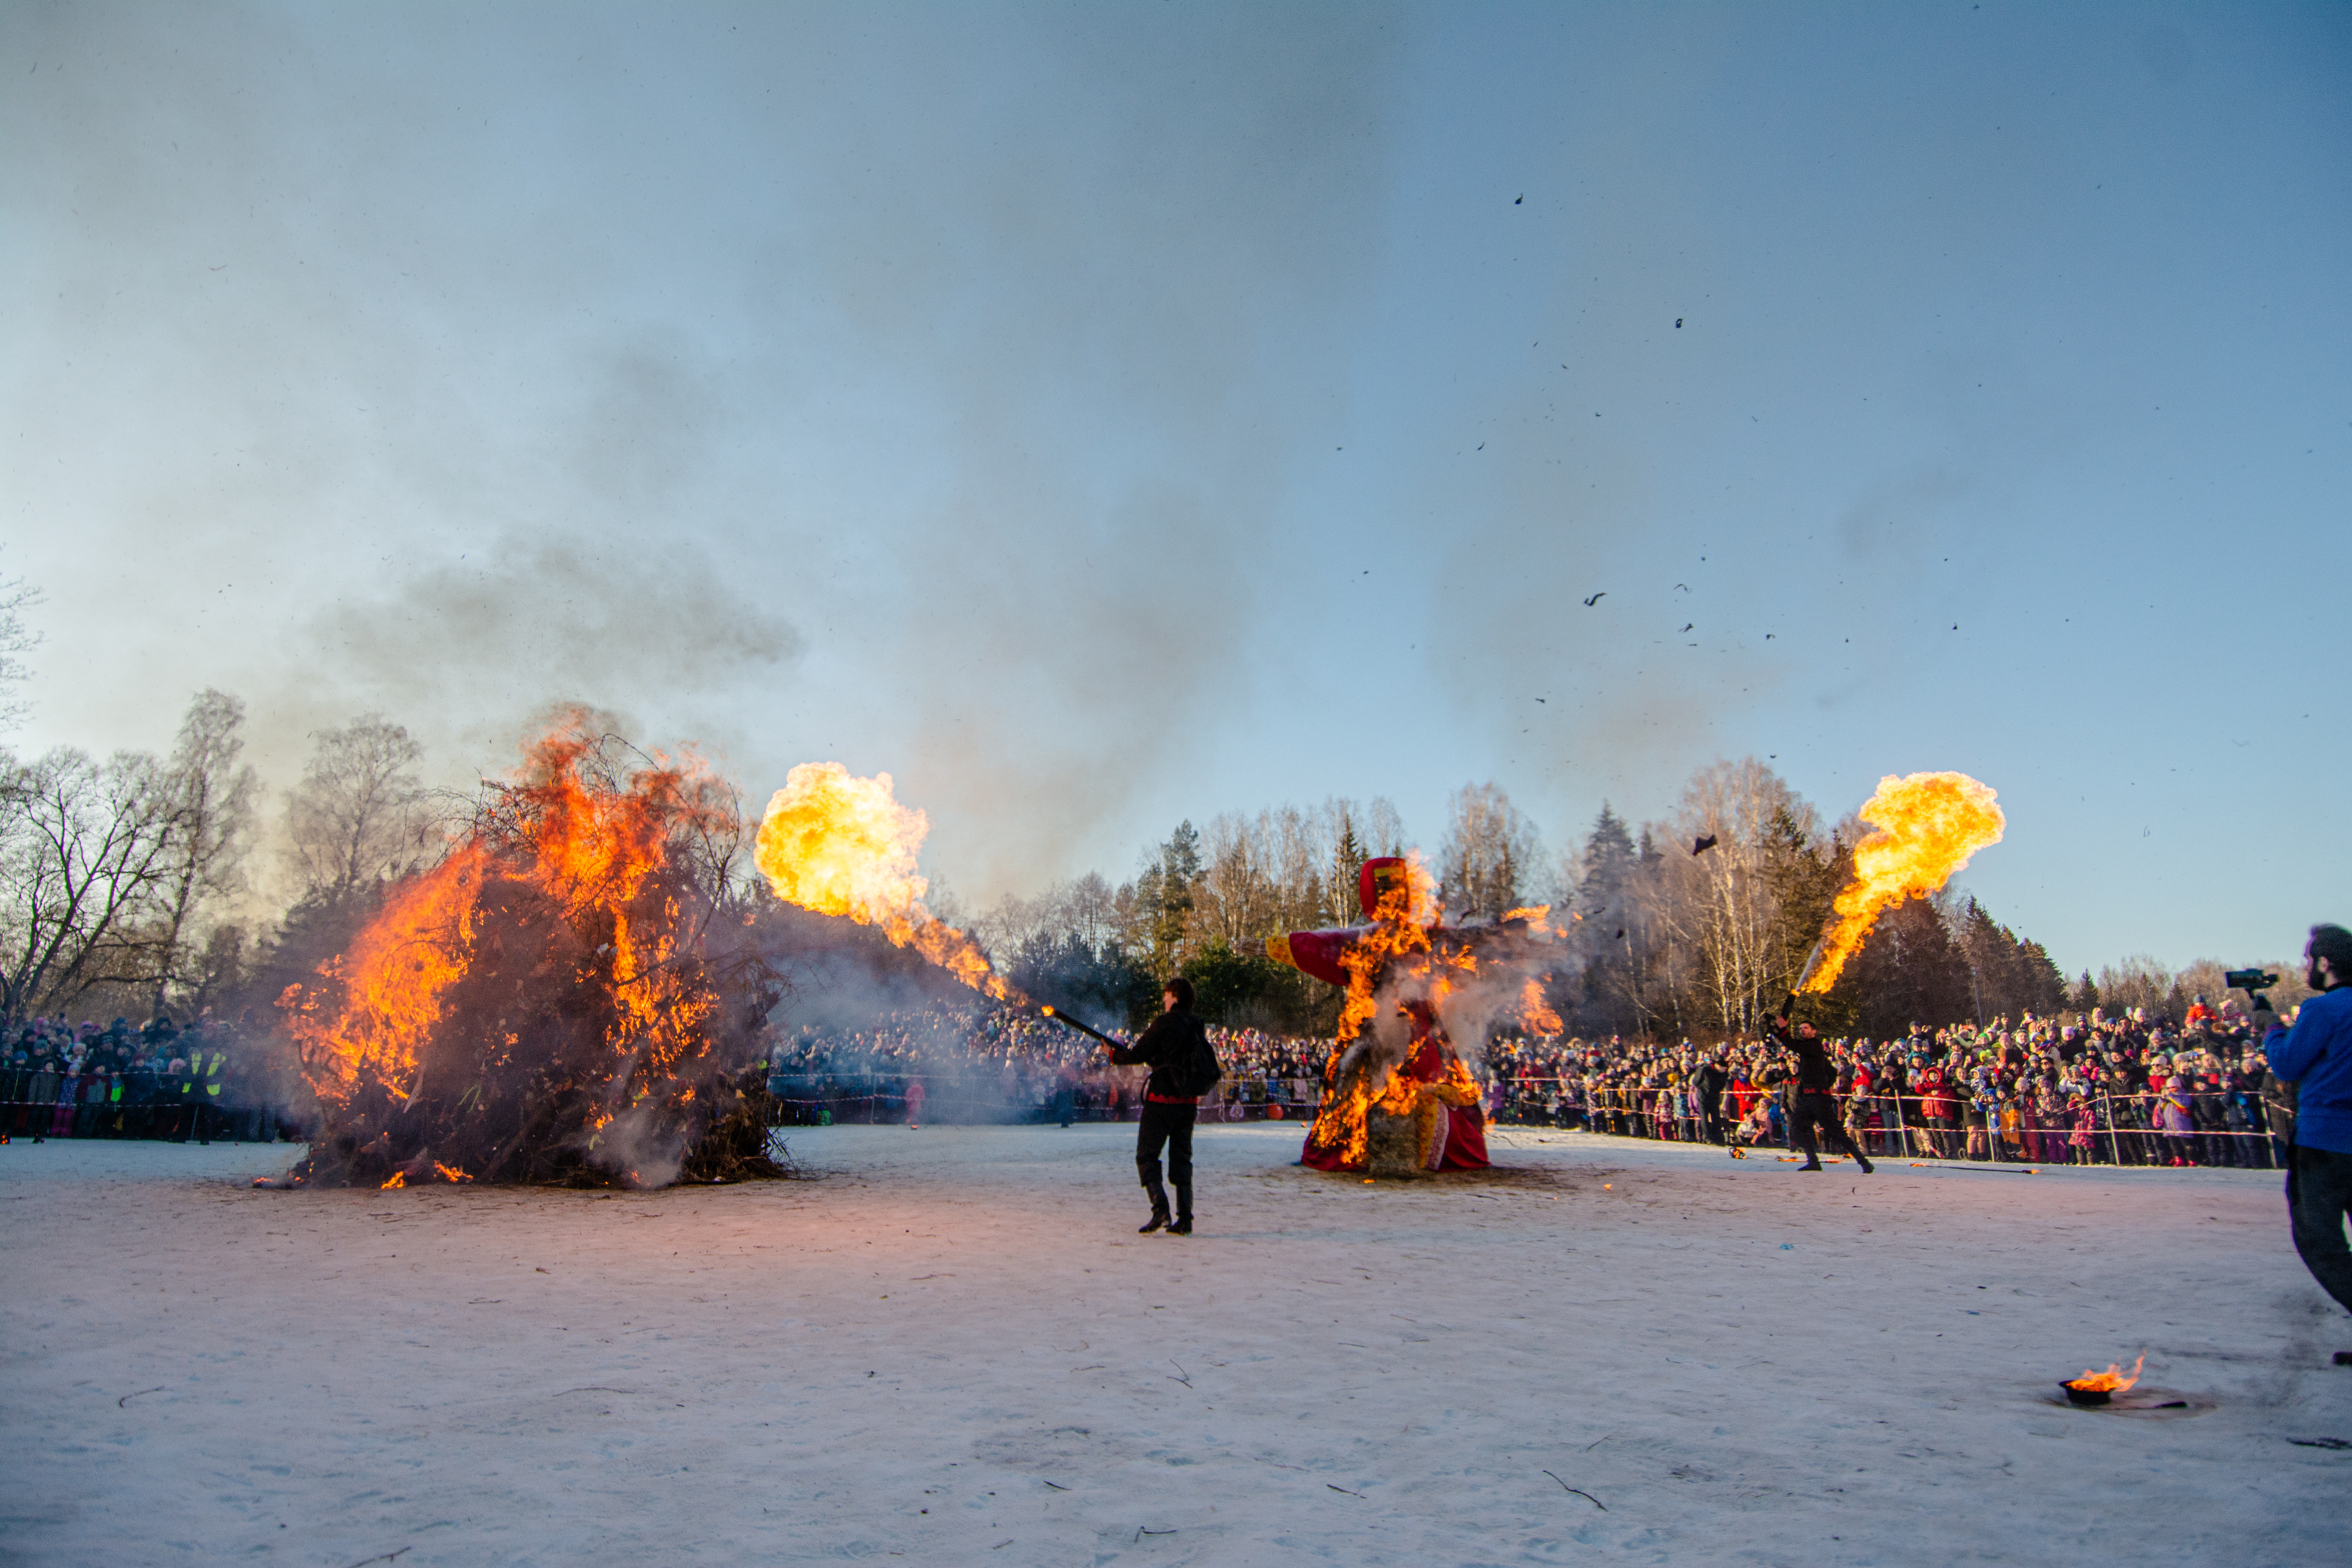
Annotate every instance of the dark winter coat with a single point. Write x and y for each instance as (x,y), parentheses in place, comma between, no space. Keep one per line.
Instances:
(1167,1045)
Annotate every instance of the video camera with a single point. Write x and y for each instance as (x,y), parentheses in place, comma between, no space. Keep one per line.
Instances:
(2252,982)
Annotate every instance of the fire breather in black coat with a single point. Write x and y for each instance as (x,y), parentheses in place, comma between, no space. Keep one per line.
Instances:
(1813,1108)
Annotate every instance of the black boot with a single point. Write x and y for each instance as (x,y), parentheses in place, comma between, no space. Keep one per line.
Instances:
(1183,1226)
(1864,1161)
(1812,1163)
(1159,1210)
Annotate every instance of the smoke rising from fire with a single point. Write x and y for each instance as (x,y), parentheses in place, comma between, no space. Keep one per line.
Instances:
(1079,384)
(790,417)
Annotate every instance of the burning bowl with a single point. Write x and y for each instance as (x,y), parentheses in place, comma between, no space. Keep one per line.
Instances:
(2096,1388)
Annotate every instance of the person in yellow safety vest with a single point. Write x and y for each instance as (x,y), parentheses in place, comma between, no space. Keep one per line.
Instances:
(204,1069)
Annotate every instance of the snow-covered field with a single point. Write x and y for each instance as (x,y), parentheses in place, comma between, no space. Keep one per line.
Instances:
(951,1346)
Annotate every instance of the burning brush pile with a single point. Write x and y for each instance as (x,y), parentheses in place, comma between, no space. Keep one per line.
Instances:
(560,1000)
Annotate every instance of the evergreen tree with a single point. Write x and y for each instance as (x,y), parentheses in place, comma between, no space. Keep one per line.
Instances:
(1910,970)
(2040,978)
(1609,862)
(1990,954)
(1803,877)
(1348,859)
(1176,874)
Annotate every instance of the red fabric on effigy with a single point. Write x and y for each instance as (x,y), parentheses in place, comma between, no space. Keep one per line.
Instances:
(1465,1139)
(1464,1127)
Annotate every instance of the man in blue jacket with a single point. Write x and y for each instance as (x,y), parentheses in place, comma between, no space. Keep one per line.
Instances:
(2316,1056)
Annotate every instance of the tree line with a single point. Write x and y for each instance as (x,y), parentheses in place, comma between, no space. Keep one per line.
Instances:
(1664,937)
(126,882)
(128,888)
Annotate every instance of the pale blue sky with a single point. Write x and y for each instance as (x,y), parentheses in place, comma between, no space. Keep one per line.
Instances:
(1102,415)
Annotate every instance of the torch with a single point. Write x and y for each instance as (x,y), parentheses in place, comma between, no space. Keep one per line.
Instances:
(1061,1017)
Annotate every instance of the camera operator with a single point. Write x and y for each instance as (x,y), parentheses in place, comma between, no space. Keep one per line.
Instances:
(2316,1056)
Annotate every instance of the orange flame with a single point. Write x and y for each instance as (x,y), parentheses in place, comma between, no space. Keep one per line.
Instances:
(844,846)
(589,850)
(2112,1381)
(398,1180)
(1536,1016)
(1928,824)
(592,855)
(1396,948)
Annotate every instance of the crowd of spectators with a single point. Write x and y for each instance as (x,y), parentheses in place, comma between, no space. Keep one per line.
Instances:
(60,1080)
(980,1062)
(2126,1088)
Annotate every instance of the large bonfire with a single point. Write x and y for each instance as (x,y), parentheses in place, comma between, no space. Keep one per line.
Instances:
(552,1000)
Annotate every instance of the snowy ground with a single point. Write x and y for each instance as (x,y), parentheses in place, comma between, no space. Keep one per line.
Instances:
(951,1346)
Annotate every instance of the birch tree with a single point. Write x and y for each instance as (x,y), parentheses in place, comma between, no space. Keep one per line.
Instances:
(358,816)
(207,800)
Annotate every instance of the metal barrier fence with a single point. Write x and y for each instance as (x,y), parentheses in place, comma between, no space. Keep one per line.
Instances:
(168,1106)
(2111,1129)
(2228,1130)
(822,1100)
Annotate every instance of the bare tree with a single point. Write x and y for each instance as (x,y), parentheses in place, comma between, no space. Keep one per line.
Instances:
(1086,910)
(1491,851)
(1721,903)
(2137,980)
(16,640)
(208,804)
(359,815)
(85,863)
(1236,897)
(1089,910)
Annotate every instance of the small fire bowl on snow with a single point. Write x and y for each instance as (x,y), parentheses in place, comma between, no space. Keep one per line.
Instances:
(2087,1396)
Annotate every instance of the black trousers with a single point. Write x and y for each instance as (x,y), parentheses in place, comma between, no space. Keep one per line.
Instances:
(2318,1196)
(1170,1125)
(1817,1110)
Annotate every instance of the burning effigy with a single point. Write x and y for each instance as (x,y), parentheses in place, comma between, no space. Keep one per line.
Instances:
(1399,1097)
(556,1000)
